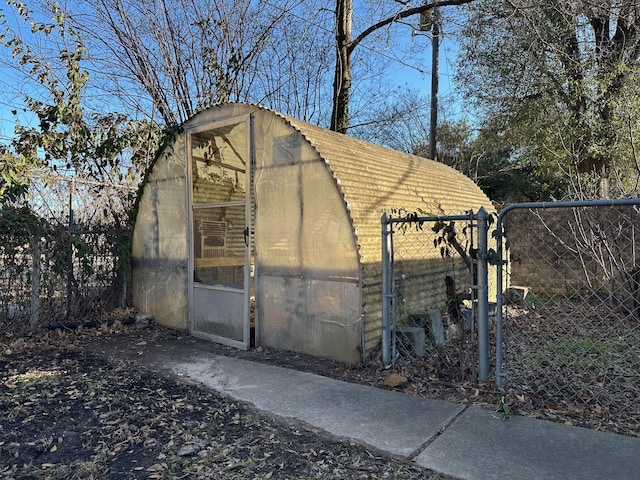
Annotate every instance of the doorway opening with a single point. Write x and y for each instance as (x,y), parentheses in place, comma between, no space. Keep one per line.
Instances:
(221,254)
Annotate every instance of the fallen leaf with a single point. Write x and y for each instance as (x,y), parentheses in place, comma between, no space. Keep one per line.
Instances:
(394,380)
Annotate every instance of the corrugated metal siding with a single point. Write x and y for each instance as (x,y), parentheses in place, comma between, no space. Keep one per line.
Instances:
(370,178)
(375,179)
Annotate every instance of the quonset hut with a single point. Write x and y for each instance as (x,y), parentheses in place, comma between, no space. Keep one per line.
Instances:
(251,221)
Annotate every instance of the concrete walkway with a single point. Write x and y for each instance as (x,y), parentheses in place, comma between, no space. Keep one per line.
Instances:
(464,442)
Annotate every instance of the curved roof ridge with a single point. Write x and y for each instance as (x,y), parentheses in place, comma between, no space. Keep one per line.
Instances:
(344,168)
(372,179)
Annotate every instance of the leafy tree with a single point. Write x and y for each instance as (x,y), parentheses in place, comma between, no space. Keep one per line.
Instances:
(561,79)
(68,143)
(507,177)
(487,157)
(106,148)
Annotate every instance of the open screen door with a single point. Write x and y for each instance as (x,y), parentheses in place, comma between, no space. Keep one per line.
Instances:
(221,232)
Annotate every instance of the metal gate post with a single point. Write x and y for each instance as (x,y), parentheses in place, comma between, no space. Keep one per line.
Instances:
(387,293)
(483,296)
(500,374)
(36,241)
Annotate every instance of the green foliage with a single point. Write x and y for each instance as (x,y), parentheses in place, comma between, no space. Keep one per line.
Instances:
(21,226)
(585,355)
(14,180)
(533,300)
(69,144)
(490,158)
(558,80)
(20,222)
(507,175)
(503,405)
(103,147)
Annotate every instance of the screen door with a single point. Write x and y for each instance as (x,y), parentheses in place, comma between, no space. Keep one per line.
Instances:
(221,231)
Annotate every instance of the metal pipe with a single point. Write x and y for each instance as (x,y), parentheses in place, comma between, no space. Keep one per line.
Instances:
(386,290)
(570,204)
(35,280)
(500,374)
(483,296)
(71,228)
(363,340)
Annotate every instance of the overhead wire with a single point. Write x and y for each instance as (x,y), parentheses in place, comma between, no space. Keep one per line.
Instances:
(332,31)
(393,57)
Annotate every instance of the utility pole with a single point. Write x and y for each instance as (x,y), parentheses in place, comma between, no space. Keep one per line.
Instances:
(435,50)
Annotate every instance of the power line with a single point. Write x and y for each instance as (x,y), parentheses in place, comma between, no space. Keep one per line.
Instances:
(331,31)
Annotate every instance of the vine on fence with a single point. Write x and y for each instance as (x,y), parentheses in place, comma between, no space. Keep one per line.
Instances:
(79,254)
(450,350)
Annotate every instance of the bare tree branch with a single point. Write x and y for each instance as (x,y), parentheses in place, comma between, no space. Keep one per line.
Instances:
(401,15)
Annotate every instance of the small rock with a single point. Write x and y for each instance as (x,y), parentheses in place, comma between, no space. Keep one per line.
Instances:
(143,320)
(394,380)
(141,343)
(191,449)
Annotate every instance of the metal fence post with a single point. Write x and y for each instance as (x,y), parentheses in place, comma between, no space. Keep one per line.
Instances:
(387,293)
(500,374)
(70,274)
(483,294)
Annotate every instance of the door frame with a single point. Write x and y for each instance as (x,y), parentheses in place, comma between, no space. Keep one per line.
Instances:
(245,343)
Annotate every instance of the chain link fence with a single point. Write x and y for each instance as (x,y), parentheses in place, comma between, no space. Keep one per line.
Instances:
(433,294)
(571,310)
(63,253)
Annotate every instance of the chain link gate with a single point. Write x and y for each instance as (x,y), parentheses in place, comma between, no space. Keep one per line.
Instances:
(435,294)
(568,326)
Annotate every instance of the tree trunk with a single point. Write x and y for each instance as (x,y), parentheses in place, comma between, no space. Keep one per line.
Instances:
(342,78)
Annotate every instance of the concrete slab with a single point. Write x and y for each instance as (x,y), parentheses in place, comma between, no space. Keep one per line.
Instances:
(480,445)
(390,421)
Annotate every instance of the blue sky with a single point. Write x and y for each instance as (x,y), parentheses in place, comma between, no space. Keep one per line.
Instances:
(400,72)
(12,84)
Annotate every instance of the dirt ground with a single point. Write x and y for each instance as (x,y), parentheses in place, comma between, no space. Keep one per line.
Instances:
(75,405)
(78,405)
